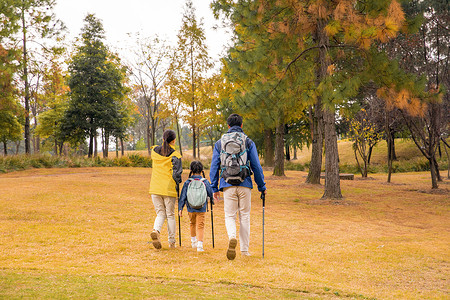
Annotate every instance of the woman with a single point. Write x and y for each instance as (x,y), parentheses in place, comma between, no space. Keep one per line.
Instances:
(166,175)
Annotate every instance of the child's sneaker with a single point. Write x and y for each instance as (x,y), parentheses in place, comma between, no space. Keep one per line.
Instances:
(194,242)
(231,252)
(200,246)
(155,239)
(172,245)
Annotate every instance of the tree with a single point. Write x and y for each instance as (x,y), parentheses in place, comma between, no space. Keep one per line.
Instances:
(96,89)
(36,23)
(150,71)
(10,127)
(55,92)
(425,53)
(190,66)
(260,96)
(336,37)
(365,136)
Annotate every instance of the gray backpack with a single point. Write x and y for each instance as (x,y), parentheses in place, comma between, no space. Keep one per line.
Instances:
(234,163)
(196,193)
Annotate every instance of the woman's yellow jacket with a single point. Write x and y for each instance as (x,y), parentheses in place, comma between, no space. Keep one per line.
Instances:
(166,172)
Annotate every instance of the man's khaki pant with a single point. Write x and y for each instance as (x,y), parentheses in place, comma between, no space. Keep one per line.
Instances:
(238,199)
(165,209)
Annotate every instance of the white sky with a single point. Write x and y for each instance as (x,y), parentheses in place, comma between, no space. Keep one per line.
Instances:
(148,17)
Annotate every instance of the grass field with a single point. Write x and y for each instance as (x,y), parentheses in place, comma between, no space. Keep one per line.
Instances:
(83,233)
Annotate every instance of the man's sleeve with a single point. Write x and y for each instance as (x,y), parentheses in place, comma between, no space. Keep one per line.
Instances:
(209,192)
(215,167)
(256,167)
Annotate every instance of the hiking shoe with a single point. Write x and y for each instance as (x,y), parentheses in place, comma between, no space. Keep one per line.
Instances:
(172,245)
(155,239)
(245,253)
(231,252)
(194,244)
(200,249)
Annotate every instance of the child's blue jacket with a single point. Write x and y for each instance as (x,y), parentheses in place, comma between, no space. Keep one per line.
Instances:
(183,196)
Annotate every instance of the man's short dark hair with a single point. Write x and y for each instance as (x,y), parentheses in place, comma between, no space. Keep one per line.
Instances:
(234,120)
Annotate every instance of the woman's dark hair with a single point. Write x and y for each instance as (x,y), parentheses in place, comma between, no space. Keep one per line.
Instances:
(234,120)
(168,136)
(196,168)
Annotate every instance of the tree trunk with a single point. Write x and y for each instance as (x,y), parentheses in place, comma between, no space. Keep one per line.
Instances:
(149,144)
(394,155)
(332,180)
(121,147)
(179,136)
(198,142)
(5,148)
(288,152)
(117,147)
(91,143)
(436,166)
(268,148)
(278,169)
(96,144)
(27,88)
(434,184)
(357,160)
(287,144)
(390,154)
(315,166)
(194,139)
(153,132)
(369,155)
(448,160)
(295,151)
(106,149)
(61,146)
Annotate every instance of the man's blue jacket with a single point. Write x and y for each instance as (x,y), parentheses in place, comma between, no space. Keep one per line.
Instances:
(252,156)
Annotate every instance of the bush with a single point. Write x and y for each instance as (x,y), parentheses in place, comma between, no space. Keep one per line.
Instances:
(137,160)
(294,166)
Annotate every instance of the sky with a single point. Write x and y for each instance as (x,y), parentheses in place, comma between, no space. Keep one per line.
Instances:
(146,17)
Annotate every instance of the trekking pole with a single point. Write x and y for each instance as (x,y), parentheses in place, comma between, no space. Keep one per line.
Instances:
(179,219)
(263,197)
(212,222)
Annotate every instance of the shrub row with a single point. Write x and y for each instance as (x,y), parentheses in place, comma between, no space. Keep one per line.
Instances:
(22,162)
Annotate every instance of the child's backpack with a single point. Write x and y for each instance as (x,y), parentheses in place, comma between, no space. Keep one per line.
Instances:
(234,163)
(196,193)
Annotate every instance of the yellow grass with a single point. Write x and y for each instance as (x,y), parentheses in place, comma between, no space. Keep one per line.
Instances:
(67,230)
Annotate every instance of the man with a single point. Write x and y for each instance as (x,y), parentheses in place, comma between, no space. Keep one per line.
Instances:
(235,167)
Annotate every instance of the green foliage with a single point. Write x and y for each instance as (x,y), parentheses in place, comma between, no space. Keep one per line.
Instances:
(137,160)
(97,90)
(140,144)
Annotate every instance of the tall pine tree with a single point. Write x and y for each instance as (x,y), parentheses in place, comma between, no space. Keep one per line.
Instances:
(96,89)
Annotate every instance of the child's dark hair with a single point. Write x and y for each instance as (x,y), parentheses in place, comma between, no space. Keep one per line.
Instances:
(168,136)
(196,168)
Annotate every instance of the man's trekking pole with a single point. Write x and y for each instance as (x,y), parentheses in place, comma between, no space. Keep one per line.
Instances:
(179,219)
(212,223)
(263,197)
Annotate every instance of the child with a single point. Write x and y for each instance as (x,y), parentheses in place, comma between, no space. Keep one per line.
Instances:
(195,199)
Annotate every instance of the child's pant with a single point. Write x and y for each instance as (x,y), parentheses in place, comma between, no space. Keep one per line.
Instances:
(165,209)
(197,222)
